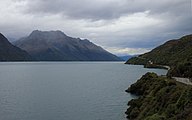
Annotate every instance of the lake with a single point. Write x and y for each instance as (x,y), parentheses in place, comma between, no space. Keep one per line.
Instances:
(67,90)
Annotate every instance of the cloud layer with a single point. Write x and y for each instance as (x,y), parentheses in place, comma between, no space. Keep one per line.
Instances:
(121,26)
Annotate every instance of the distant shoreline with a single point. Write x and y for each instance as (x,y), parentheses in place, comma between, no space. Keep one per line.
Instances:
(66,61)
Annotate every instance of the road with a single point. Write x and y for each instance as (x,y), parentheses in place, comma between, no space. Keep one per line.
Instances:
(179,79)
(183,80)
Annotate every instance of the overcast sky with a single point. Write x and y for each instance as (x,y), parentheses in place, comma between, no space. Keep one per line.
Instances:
(120,26)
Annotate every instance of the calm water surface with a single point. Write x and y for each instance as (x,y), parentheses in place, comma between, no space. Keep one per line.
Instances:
(66,90)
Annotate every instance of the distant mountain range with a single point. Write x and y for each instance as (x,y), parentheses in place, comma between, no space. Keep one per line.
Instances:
(56,46)
(9,52)
(126,57)
(175,53)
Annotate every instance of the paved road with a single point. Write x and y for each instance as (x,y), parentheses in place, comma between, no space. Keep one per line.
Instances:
(179,79)
(183,80)
(168,68)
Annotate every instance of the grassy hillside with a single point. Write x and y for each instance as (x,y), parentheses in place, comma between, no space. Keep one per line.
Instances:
(160,99)
(175,53)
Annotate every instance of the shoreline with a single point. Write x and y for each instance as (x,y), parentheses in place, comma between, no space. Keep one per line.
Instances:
(135,113)
(183,80)
(159,98)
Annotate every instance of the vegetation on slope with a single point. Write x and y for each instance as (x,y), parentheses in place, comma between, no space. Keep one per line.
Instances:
(160,98)
(175,53)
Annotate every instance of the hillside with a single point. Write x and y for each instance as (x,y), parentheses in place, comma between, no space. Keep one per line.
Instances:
(9,52)
(56,46)
(175,53)
(159,98)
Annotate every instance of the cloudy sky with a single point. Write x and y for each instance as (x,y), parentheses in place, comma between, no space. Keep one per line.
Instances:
(120,26)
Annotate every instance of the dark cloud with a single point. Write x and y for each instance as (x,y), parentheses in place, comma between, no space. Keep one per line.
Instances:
(120,24)
(106,9)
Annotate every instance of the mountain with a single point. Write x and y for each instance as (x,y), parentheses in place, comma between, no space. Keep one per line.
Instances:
(175,53)
(125,58)
(9,52)
(56,46)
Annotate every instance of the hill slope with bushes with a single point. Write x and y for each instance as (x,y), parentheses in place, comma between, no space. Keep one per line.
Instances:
(160,98)
(175,53)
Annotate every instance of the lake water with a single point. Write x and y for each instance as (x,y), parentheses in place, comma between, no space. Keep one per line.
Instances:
(66,90)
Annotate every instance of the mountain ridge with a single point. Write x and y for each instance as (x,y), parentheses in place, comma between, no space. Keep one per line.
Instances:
(9,52)
(57,46)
